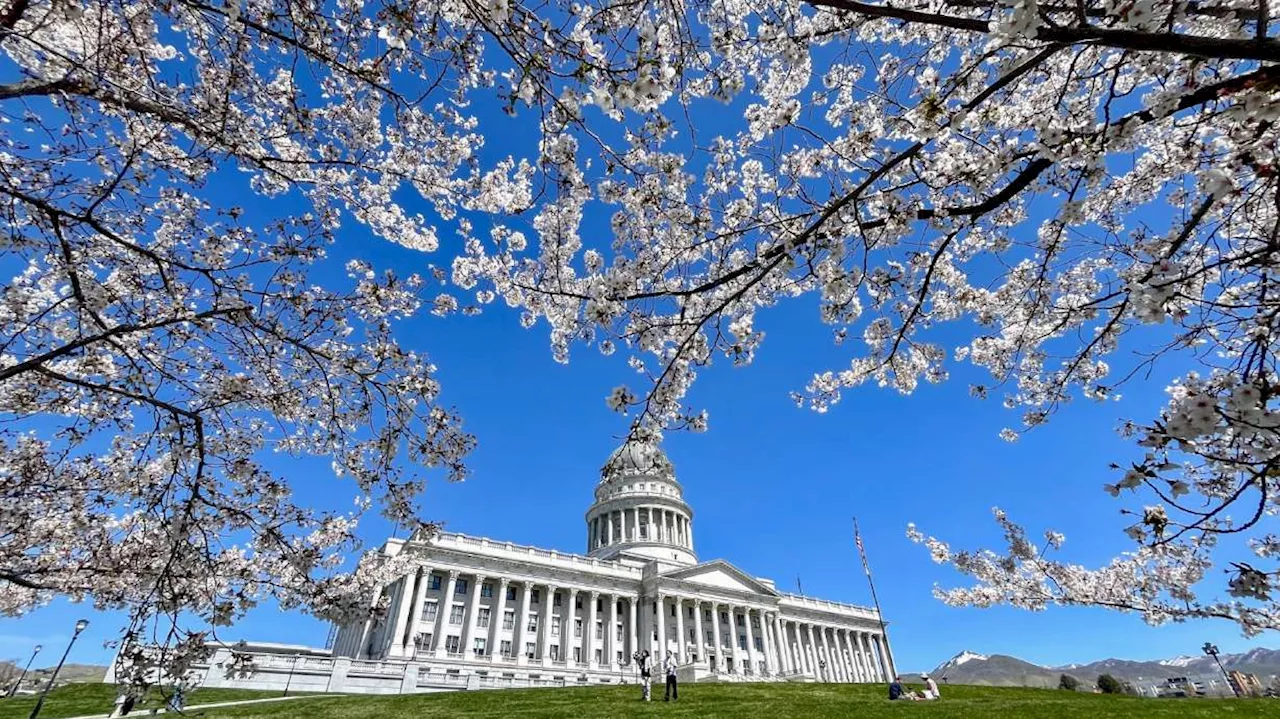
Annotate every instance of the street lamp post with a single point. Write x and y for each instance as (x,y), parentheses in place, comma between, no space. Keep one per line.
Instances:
(80,625)
(1212,650)
(14,689)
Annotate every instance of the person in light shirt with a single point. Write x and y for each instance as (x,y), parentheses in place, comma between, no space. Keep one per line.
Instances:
(930,687)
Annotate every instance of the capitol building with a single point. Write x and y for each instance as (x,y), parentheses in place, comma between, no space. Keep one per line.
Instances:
(478,608)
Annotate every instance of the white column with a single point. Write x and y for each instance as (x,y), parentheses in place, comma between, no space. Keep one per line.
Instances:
(797,659)
(753,661)
(634,627)
(469,617)
(635,525)
(837,653)
(497,608)
(682,644)
(833,669)
(873,664)
(806,644)
(848,655)
(733,637)
(715,635)
(766,636)
(415,613)
(885,668)
(662,627)
(544,626)
(700,639)
(567,618)
(690,534)
(443,608)
(842,671)
(590,631)
(368,625)
(780,645)
(520,636)
(404,602)
(855,654)
(611,633)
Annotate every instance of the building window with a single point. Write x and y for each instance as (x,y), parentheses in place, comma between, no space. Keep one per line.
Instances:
(742,642)
(710,638)
(724,617)
(452,643)
(486,590)
(434,583)
(529,649)
(508,619)
(673,610)
(482,620)
(555,601)
(618,658)
(479,648)
(460,588)
(599,656)
(511,593)
(429,611)
(577,603)
(619,633)
(505,647)
(536,596)
(577,627)
(577,654)
(555,652)
(533,623)
(599,630)
(424,641)
(455,614)
(706,614)
(690,613)
(759,644)
(555,626)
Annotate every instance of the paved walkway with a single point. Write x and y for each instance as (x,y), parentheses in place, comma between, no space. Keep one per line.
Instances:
(214,705)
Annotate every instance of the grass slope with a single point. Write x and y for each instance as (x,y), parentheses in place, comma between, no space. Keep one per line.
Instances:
(736,701)
(741,701)
(96,698)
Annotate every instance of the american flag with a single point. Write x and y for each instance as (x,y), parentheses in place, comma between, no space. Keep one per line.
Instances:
(862,552)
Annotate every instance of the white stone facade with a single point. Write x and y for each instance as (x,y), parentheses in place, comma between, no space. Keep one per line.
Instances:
(480,610)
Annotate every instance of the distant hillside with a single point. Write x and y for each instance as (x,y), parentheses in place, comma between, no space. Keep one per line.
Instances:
(998,670)
(71,673)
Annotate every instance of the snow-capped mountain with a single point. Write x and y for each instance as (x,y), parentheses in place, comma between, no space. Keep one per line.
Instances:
(969,667)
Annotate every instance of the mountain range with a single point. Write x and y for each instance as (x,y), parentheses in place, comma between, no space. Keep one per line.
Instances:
(999,670)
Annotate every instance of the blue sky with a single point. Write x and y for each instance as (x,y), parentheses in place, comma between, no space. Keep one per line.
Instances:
(773,487)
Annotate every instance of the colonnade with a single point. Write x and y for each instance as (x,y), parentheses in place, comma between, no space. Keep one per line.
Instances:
(640,524)
(722,636)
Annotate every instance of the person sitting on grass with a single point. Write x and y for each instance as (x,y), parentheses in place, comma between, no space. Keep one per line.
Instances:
(930,687)
(895,689)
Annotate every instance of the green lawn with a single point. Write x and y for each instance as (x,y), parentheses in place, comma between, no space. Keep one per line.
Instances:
(748,701)
(738,701)
(90,698)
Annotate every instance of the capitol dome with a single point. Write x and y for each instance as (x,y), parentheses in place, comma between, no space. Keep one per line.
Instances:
(639,508)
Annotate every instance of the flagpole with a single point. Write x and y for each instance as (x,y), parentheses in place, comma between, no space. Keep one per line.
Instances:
(884,630)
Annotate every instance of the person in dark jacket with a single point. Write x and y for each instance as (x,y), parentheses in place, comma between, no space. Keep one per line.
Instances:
(895,689)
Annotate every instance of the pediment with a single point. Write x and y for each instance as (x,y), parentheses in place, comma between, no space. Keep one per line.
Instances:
(721,575)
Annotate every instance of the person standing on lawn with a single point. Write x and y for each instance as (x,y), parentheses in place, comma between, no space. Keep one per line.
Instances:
(670,670)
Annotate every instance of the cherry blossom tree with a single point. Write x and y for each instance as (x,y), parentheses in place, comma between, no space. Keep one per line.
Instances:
(1045,178)
(171,175)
